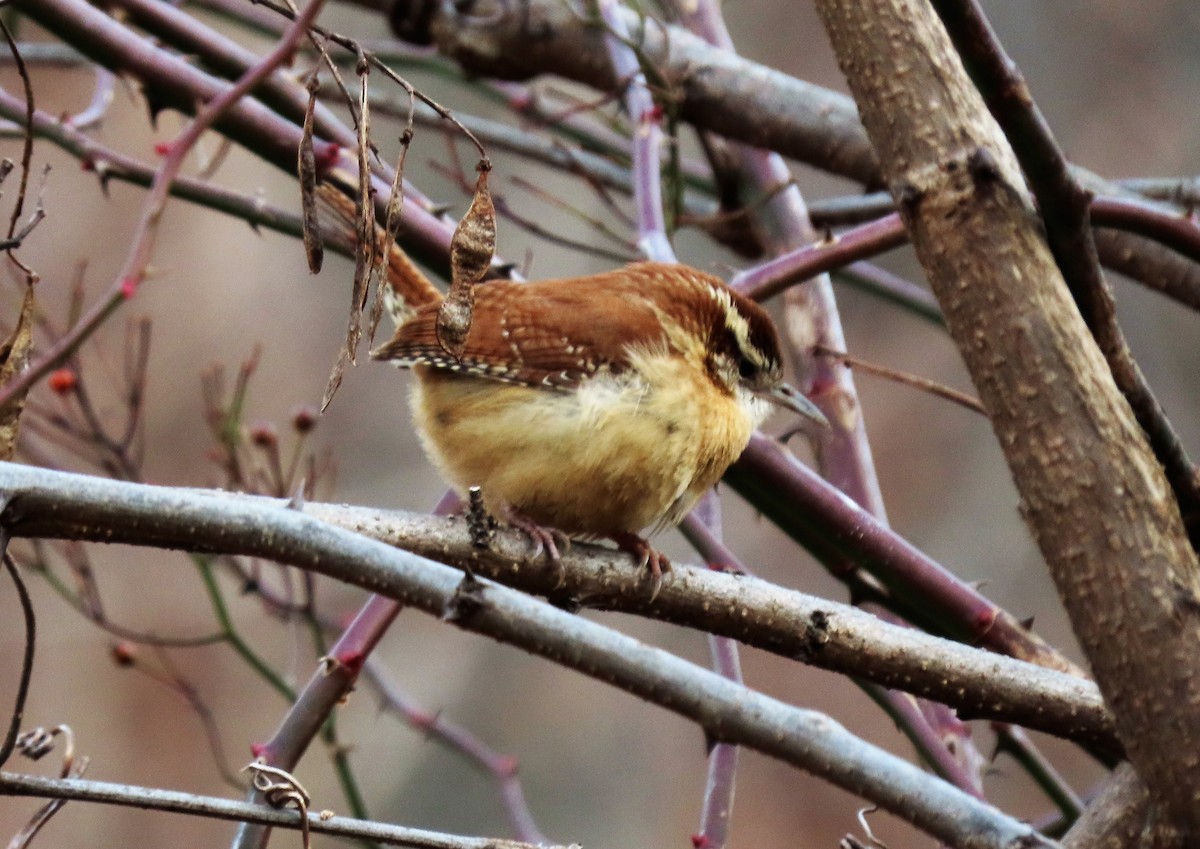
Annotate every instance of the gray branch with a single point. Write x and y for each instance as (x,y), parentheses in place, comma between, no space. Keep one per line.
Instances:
(172,801)
(795,118)
(813,630)
(41,502)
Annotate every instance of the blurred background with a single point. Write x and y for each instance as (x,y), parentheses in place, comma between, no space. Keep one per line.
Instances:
(1117,82)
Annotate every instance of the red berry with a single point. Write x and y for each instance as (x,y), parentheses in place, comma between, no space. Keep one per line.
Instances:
(63,381)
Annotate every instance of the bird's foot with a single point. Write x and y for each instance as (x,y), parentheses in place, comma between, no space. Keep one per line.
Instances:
(545,541)
(647,558)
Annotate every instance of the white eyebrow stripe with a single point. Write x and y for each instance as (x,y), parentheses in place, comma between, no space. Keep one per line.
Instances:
(735,321)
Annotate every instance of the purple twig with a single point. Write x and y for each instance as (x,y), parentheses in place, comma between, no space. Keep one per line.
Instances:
(332,681)
(843,450)
(503,768)
(702,527)
(141,249)
(647,135)
(850,536)
(1149,219)
(867,240)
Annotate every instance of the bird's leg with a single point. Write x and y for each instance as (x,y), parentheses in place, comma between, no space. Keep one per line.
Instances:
(646,556)
(545,540)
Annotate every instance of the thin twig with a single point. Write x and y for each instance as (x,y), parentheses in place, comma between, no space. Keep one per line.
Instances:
(26,160)
(22,691)
(141,249)
(434,724)
(127,795)
(962,399)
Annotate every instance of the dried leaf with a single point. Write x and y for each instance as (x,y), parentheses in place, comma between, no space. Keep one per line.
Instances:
(471,252)
(14,356)
(474,242)
(335,379)
(314,244)
(390,224)
(366,242)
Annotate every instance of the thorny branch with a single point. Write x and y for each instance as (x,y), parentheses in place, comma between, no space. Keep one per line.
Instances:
(725,710)
(127,280)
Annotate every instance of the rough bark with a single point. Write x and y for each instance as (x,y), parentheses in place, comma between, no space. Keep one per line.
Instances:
(796,118)
(1092,494)
(1121,817)
(717,91)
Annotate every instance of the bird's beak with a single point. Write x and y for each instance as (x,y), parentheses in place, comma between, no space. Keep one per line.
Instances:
(792,399)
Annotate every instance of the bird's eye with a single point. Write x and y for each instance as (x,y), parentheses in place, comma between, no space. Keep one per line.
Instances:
(746,369)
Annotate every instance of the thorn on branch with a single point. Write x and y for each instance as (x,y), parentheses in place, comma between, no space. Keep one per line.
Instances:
(467,600)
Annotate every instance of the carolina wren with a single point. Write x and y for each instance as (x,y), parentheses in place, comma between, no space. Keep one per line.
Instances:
(598,406)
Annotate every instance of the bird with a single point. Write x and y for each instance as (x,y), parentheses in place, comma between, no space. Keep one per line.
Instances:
(594,407)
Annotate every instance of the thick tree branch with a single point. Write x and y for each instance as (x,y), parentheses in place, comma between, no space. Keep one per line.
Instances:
(1091,489)
(1121,816)
(795,118)
(726,711)
(1065,207)
(816,631)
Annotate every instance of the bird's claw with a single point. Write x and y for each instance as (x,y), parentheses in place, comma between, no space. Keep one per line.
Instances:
(545,541)
(647,558)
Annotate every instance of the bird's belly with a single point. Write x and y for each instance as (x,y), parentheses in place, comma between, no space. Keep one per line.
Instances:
(614,456)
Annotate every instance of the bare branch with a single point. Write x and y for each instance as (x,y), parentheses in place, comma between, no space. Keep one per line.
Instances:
(818,631)
(39,500)
(127,795)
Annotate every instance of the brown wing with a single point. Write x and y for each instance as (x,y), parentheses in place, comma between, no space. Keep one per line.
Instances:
(548,333)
